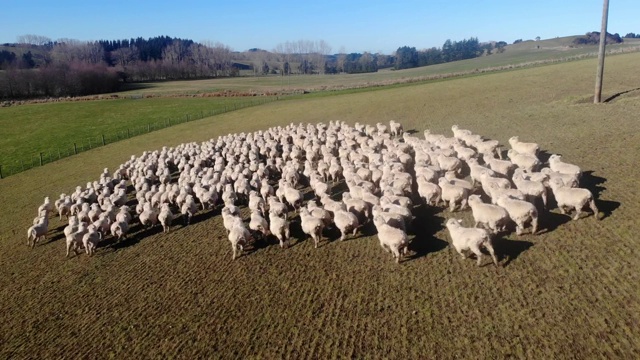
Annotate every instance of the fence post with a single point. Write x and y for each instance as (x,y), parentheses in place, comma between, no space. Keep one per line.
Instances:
(148,127)
(0,171)
(89,143)
(103,140)
(59,154)
(22,163)
(128,135)
(75,148)
(41,159)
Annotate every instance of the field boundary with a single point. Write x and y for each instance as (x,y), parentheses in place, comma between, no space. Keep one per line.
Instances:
(83,144)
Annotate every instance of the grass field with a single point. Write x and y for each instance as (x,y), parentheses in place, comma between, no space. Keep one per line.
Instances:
(53,128)
(570,292)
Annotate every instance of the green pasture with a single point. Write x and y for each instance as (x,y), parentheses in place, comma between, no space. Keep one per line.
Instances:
(52,129)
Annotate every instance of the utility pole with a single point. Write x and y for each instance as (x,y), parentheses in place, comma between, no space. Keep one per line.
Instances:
(603,40)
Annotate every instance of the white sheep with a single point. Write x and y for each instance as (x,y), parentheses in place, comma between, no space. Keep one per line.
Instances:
(345,222)
(258,223)
(572,198)
(453,194)
(429,192)
(239,236)
(523,147)
(149,216)
(119,229)
(527,162)
(532,189)
(521,212)
(391,239)
(472,239)
(188,209)
(569,180)
(91,239)
(311,226)
(74,240)
(556,164)
(279,227)
(39,230)
(165,217)
(395,128)
(493,217)
(502,167)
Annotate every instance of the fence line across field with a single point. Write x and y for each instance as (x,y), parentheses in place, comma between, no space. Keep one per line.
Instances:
(41,158)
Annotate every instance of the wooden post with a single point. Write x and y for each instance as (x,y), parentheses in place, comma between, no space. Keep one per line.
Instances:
(103,143)
(603,40)
(41,159)
(128,135)
(0,171)
(148,127)
(59,154)
(75,148)
(22,163)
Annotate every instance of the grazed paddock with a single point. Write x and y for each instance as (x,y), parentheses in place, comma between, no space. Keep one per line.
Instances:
(568,292)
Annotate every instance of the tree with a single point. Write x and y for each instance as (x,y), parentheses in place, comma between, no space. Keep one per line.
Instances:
(406,57)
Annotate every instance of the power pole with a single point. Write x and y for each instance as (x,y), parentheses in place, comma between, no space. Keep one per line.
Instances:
(603,40)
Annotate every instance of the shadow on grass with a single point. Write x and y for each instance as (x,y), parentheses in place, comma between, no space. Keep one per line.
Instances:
(594,184)
(616,95)
(509,250)
(425,225)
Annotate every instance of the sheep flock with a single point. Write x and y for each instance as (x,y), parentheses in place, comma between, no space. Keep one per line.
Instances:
(386,173)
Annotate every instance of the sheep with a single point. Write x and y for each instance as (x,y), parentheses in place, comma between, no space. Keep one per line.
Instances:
(572,198)
(74,240)
(453,194)
(527,162)
(256,203)
(149,216)
(258,223)
(449,163)
(493,217)
(569,180)
(278,208)
(502,167)
(521,212)
(451,176)
(188,209)
(476,170)
(391,239)
(91,239)
(239,236)
(395,128)
(39,230)
(345,222)
(429,192)
(532,189)
(279,227)
(119,229)
(230,217)
(165,217)
(490,183)
(320,213)
(46,206)
(524,148)
(311,226)
(488,148)
(472,239)
(556,164)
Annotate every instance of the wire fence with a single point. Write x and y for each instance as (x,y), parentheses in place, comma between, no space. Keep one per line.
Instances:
(50,155)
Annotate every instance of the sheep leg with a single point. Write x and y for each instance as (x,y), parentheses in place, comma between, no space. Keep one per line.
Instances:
(396,254)
(561,208)
(492,252)
(534,225)
(233,248)
(452,206)
(592,205)
(578,213)
(519,228)
(476,250)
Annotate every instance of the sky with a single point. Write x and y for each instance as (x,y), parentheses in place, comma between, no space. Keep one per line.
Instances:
(346,25)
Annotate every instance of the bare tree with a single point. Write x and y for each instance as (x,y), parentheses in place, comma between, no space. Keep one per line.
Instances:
(32,39)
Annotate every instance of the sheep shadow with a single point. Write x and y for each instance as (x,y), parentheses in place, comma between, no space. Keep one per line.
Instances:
(552,221)
(509,249)
(424,241)
(594,184)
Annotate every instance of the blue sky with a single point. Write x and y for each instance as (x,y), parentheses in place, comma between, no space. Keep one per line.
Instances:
(349,25)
